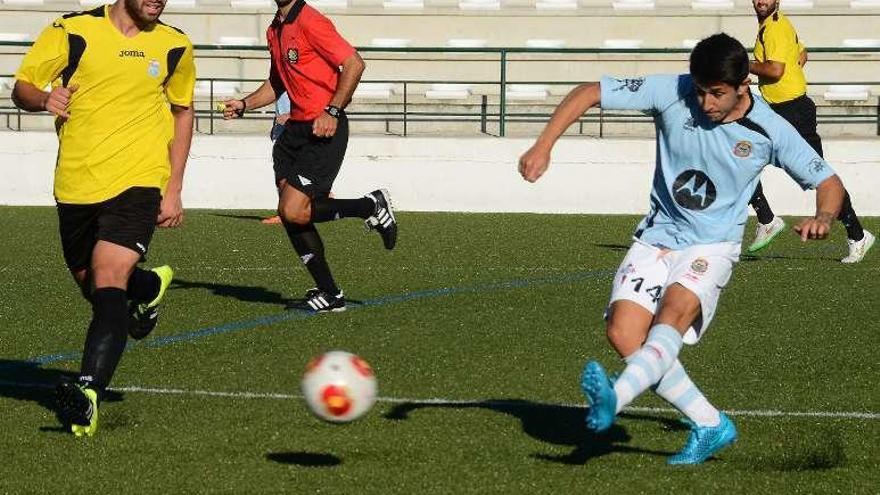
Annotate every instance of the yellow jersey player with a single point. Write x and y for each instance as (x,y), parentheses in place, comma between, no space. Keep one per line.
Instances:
(121,90)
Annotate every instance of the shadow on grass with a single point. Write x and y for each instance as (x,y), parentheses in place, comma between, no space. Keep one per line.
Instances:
(246,293)
(28,381)
(305,459)
(817,449)
(554,424)
(242,216)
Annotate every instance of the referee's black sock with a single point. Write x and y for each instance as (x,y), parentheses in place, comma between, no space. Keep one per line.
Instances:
(106,338)
(850,220)
(761,206)
(143,285)
(308,245)
(325,209)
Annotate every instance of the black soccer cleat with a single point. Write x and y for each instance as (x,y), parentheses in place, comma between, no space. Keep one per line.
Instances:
(382,220)
(77,407)
(320,301)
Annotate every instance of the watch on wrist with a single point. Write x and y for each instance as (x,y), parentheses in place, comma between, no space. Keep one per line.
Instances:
(332,111)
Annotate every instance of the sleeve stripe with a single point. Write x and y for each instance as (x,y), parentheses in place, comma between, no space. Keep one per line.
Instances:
(174,56)
(77,48)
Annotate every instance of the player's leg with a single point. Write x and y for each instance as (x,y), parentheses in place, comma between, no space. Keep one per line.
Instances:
(294,210)
(769,225)
(858,240)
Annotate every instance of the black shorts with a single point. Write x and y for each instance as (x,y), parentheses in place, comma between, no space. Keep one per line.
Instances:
(801,114)
(307,162)
(127,220)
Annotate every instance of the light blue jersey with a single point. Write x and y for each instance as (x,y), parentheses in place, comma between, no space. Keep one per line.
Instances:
(706,172)
(282,106)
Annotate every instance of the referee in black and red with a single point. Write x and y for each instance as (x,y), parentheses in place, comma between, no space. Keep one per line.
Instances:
(319,70)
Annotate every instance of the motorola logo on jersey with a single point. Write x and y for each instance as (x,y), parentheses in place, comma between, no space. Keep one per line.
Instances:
(693,190)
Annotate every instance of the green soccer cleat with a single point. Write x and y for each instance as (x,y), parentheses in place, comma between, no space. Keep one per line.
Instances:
(145,316)
(765,234)
(78,408)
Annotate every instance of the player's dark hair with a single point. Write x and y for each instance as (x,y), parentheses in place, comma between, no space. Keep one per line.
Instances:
(719,59)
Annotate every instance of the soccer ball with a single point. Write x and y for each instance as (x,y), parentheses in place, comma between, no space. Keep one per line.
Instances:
(338,386)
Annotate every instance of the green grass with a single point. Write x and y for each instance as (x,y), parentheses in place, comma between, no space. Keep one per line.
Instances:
(498,309)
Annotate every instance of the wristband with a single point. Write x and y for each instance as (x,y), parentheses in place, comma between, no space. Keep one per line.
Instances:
(243,108)
(332,111)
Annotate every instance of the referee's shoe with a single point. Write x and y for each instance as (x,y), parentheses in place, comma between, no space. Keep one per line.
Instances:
(382,220)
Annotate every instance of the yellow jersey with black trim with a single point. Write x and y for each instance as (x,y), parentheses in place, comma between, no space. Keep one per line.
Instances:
(120,126)
(778,41)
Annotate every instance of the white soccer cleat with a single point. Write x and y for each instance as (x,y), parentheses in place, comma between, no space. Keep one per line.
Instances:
(858,249)
(764,234)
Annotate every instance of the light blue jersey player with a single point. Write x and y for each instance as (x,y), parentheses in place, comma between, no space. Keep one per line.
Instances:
(713,138)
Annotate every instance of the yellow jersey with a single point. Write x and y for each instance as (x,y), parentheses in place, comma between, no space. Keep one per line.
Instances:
(778,41)
(120,126)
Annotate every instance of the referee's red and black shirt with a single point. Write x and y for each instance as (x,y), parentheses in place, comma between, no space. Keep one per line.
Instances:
(306,54)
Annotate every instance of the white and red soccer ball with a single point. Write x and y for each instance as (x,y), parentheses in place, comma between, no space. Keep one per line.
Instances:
(339,386)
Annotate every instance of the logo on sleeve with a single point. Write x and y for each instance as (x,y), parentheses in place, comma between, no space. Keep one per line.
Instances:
(292,56)
(817,165)
(742,149)
(631,84)
(693,190)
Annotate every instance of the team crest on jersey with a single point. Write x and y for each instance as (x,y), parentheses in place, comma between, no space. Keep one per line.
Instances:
(153,68)
(699,266)
(742,149)
(293,55)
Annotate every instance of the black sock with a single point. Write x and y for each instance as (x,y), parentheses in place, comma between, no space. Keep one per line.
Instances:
(850,220)
(761,206)
(143,285)
(325,209)
(308,245)
(106,338)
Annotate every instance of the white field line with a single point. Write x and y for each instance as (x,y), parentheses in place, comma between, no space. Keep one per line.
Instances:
(456,402)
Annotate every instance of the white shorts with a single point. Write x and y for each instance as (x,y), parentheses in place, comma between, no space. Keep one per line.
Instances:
(703,269)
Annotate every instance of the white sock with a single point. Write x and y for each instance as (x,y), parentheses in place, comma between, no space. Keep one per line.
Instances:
(679,390)
(648,365)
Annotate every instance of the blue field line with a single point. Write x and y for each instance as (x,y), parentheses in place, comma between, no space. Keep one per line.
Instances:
(294,314)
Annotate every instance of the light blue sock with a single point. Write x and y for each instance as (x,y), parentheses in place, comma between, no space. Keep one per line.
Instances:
(677,388)
(648,365)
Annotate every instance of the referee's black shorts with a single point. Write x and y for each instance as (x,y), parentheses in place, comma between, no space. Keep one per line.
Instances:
(127,220)
(801,114)
(307,162)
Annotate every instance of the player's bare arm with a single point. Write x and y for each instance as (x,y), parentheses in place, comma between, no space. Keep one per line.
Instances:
(171,208)
(30,98)
(264,95)
(770,70)
(534,162)
(352,69)
(829,201)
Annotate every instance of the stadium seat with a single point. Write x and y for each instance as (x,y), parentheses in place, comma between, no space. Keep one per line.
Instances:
(864,4)
(712,4)
(252,4)
(621,43)
(556,4)
(15,37)
(6,84)
(180,4)
(403,4)
(689,43)
(237,41)
(23,2)
(861,43)
(533,92)
(90,3)
(847,92)
(374,91)
(545,43)
(329,4)
(448,91)
(221,88)
(798,4)
(466,43)
(633,5)
(390,42)
(479,4)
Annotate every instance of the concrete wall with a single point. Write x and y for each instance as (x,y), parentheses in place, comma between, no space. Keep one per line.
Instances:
(443,174)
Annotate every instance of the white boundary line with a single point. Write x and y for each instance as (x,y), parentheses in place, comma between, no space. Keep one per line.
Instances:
(512,403)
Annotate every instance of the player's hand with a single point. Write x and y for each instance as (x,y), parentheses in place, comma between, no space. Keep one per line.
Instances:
(282,118)
(534,163)
(817,227)
(170,211)
(232,109)
(58,100)
(324,126)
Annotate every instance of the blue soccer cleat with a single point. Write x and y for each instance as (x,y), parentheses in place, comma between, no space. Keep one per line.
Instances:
(600,394)
(705,441)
